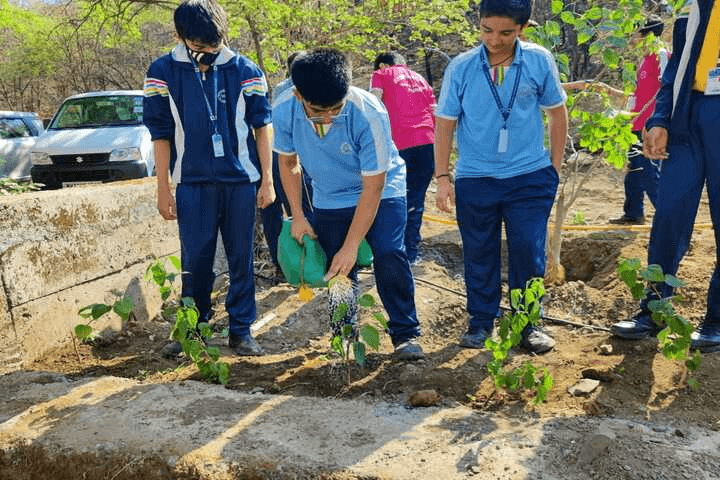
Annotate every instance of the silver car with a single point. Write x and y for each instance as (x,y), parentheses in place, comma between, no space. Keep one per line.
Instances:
(94,137)
(18,133)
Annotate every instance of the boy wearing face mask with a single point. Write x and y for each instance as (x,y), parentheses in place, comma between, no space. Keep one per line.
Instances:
(207,110)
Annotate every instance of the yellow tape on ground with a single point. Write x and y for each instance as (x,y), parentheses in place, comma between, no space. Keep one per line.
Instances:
(633,228)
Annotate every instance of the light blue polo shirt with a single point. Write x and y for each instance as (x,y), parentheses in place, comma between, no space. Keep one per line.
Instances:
(466,97)
(358,144)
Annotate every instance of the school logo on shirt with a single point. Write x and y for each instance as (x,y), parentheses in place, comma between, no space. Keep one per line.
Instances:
(221,95)
(345,149)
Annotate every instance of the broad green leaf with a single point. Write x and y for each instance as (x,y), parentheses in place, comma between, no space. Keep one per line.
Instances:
(611,58)
(124,307)
(165,293)
(653,273)
(371,336)
(213,352)
(94,311)
(223,373)
(83,332)
(693,363)
(337,345)
(557,6)
(175,262)
(673,281)
(359,352)
(366,300)
(568,17)
(339,313)
(594,13)
(380,318)
(583,36)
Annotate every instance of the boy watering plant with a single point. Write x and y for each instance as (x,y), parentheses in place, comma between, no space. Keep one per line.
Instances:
(207,112)
(495,95)
(342,134)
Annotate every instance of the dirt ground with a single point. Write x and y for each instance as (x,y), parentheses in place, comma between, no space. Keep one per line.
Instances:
(645,423)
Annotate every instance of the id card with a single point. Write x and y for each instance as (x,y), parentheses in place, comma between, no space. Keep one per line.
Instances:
(713,82)
(218,145)
(503,140)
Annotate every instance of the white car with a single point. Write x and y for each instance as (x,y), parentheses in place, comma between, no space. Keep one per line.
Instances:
(18,133)
(94,137)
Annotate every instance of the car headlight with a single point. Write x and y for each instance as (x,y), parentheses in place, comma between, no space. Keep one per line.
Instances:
(130,154)
(40,158)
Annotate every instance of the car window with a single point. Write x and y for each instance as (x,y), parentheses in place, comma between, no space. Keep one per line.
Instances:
(101,111)
(13,128)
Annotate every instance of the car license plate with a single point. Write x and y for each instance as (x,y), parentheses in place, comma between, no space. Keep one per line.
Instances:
(76,184)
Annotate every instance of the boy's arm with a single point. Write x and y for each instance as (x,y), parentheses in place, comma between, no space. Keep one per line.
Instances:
(266,192)
(165,199)
(444,129)
(345,259)
(291,179)
(557,132)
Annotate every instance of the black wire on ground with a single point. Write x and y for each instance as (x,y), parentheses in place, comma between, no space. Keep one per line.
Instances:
(559,321)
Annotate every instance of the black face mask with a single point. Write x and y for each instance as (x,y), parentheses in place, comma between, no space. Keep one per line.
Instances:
(202,58)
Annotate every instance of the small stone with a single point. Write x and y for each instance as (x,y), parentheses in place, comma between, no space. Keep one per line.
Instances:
(424,398)
(584,387)
(594,447)
(605,349)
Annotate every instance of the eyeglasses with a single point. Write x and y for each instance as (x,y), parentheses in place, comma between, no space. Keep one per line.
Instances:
(202,48)
(323,114)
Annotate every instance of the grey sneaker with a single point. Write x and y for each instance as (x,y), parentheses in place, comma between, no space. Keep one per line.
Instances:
(171,350)
(535,340)
(409,350)
(475,339)
(245,345)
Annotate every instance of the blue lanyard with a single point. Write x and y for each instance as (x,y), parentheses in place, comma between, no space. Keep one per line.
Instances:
(504,111)
(213,118)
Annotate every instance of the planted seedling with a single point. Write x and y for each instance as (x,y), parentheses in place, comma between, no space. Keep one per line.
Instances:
(674,337)
(343,308)
(191,335)
(526,309)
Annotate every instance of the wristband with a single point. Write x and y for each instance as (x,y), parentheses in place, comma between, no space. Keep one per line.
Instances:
(443,175)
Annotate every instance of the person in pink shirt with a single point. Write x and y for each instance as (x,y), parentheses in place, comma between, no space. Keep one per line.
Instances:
(643,175)
(410,103)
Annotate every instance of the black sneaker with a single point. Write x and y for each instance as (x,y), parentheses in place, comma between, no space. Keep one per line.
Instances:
(475,338)
(245,345)
(640,326)
(625,220)
(536,340)
(706,338)
(409,350)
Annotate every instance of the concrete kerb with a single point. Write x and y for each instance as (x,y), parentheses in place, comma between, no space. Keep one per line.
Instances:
(64,249)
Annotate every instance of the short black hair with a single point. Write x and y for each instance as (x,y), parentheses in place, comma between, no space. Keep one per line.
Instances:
(654,25)
(202,21)
(518,10)
(322,76)
(389,58)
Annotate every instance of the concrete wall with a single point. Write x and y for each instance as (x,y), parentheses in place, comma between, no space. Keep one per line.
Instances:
(64,249)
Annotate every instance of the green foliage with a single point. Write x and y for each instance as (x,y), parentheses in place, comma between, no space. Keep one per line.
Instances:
(368,336)
(193,336)
(675,336)
(526,309)
(578,218)
(8,186)
(605,32)
(122,306)
(605,132)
